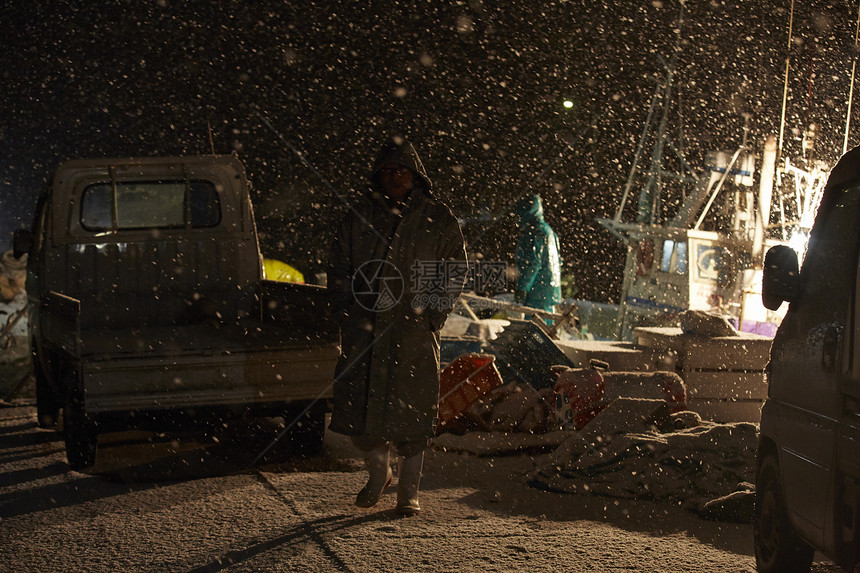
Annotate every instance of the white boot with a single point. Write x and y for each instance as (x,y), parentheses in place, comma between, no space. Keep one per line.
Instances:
(408,479)
(379,468)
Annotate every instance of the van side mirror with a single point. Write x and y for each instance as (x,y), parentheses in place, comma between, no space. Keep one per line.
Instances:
(781,277)
(22,240)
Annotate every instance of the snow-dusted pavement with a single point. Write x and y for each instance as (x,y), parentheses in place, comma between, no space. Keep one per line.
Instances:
(190,506)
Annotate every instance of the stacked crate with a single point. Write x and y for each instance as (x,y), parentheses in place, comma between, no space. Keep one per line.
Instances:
(724,374)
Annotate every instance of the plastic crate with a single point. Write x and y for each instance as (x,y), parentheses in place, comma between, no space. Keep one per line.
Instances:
(462,382)
(525,353)
(451,348)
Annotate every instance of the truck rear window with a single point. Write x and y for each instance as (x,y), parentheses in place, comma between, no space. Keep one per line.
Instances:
(150,205)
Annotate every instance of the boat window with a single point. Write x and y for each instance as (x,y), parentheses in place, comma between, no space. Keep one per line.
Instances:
(674,257)
(150,205)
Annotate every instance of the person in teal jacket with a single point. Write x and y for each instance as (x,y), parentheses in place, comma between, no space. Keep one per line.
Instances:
(537,258)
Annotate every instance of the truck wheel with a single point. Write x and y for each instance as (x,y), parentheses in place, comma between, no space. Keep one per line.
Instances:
(777,546)
(79,432)
(308,432)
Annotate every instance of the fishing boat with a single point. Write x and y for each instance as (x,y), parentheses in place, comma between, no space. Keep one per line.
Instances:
(696,238)
(695,241)
(707,255)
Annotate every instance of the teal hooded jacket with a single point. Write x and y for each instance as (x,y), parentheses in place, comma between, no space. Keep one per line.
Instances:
(537,257)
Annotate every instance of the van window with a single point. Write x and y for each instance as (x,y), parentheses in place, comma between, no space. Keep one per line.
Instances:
(829,269)
(150,205)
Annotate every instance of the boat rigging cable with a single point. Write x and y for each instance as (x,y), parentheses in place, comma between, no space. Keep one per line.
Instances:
(851,88)
(785,83)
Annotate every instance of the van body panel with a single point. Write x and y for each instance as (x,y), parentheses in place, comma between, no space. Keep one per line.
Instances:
(812,413)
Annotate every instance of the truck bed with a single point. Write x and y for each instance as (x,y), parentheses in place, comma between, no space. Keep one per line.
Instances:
(284,352)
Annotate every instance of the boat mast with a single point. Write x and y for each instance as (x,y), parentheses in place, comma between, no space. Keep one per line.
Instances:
(648,212)
(649,198)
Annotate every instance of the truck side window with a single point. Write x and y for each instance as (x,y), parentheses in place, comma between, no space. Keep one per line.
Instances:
(96,207)
(205,207)
(42,214)
(150,205)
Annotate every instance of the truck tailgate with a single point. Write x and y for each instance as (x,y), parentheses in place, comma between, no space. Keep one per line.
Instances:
(195,379)
(285,351)
(242,363)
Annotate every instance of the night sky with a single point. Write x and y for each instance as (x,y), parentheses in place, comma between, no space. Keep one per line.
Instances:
(477,86)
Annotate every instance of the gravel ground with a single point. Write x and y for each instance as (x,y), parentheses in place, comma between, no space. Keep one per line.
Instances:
(191,505)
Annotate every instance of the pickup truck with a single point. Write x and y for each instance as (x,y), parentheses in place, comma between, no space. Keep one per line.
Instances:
(808,462)
(148,307)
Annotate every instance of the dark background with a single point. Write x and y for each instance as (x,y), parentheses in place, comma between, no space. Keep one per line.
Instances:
(477,86)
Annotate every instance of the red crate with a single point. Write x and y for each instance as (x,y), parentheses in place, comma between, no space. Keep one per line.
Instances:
(463,381)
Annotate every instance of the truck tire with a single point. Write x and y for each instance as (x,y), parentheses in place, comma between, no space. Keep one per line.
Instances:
(778,548)
(79,431)
(307,434)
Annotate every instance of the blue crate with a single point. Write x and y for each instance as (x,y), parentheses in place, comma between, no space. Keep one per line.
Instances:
(525,353)
(451,348)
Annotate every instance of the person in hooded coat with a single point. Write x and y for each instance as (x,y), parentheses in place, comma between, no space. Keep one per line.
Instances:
(537,258)
(397,265)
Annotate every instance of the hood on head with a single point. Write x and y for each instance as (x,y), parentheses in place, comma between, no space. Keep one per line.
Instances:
(529,208)
(400,152)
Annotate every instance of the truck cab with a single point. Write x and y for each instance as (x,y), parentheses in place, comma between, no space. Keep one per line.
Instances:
(808,462)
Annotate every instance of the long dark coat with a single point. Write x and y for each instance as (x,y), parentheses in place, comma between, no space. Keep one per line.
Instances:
(394,275)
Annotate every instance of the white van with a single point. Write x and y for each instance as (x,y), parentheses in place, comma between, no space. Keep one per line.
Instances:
(808,466)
